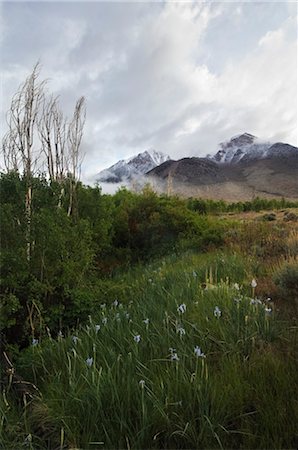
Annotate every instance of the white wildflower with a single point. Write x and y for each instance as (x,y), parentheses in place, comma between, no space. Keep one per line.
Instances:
(137,338)
(236,286)
(268,310)
(174,357)
(198,352)
(255,301)
(217,312)
(181,331)
(103,306)
(181,308)
(97,328)
(75,339)
(253,283)
(34,342)
(89,361)
(28,440)
(60,334)
(146,321)
(142,383)
(115,303)
(104,321)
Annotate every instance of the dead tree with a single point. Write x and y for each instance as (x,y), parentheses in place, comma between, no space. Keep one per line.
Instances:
(52,133)
(38,132)
(10,152)
(74,138)
(19,141)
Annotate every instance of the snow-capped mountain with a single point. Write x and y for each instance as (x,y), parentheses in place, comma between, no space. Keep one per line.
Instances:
(127,169)
(243,147)
(242,168)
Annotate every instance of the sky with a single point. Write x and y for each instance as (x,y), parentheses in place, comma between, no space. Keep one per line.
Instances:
(179,77)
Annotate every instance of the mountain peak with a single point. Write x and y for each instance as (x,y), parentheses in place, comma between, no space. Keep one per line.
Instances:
(132,167)
(239,140)
(239,147)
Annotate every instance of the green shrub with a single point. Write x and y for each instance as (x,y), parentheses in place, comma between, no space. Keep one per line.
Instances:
(287,281)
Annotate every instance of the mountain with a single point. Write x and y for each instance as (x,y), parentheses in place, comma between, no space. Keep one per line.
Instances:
(125,170)
(241,146)
(246,147)
(242,168)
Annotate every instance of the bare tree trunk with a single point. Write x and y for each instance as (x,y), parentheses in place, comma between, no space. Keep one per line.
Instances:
(21,119)
(75,133)
(52,133)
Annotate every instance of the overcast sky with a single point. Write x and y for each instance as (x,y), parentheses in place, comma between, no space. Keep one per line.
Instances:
(179,77)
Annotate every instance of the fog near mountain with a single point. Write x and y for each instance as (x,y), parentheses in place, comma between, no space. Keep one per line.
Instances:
(242,167)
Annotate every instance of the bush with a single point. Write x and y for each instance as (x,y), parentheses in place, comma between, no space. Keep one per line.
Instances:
(287,281)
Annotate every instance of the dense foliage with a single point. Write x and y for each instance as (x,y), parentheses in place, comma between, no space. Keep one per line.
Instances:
(71,255)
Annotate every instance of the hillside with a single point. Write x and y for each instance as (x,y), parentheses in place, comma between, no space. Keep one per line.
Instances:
(240,170)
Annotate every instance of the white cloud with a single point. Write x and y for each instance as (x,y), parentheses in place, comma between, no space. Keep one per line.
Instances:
(149,74)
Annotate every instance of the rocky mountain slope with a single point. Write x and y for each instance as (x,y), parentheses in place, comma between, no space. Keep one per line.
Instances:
(246,147)
(126,170)
(242,168)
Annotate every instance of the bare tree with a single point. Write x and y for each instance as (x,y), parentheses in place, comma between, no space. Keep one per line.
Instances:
(10,152)
(52,132)
(22,118)
(75,134)
(18,144)
(38,132)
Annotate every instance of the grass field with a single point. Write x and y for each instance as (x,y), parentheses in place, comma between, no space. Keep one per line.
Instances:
(195,350)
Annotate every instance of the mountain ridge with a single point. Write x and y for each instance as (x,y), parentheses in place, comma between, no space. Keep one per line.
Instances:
(127,169)
(241,168)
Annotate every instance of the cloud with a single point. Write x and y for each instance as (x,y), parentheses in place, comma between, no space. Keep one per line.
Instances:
(177,76)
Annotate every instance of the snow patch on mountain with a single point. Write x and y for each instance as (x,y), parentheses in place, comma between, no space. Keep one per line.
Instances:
(242,147)
(127,169)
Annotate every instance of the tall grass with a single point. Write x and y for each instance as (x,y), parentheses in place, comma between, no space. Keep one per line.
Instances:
(183,358)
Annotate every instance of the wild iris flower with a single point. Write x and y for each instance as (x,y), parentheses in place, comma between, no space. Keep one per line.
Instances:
(198,352)
(174,357)
(89,361)
(181,331)
(253,283)
(181,308)
(217,312)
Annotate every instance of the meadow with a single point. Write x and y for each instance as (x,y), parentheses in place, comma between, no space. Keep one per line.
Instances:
(182,346)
